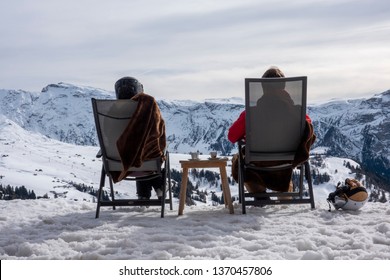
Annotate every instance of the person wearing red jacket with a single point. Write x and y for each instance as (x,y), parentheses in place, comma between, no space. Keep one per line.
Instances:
(259,182)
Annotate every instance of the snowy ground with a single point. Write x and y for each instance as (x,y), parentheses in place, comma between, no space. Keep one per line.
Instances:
(64,228)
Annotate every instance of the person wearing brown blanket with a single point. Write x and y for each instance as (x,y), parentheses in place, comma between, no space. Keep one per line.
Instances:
(144,137)
(258,181)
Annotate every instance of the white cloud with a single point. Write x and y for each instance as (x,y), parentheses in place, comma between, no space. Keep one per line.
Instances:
(210,45)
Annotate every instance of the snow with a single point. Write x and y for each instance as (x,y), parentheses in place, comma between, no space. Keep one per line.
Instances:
(66,228)
(188,103)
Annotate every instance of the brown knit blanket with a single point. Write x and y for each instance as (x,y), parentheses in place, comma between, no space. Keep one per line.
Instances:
(278,180)
(144,137)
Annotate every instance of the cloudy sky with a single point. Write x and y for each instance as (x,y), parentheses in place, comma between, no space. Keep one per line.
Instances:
(196,49)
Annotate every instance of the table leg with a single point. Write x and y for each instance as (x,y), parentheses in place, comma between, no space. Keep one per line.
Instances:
(183,190)
(226,190)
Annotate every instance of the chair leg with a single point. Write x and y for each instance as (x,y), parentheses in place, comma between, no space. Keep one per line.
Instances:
(241,187)
(163,203)
(301,170)
(167,182)
(112,191)
(100,192)
(169,187)
(164,188)
(310,183)
(168,176)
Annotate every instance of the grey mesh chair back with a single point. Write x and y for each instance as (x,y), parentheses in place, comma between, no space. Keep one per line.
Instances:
(275,125)
(275,117)
(111,119)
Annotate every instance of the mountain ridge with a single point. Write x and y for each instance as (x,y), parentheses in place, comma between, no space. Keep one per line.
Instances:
(55,169)
(355,128)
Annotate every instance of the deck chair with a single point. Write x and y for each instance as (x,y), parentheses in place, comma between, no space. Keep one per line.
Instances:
(274,129)
(111,118)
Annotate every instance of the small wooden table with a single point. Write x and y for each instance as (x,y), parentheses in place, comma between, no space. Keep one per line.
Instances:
(212,163)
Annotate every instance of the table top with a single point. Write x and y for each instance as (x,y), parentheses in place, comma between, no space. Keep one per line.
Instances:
(204,162)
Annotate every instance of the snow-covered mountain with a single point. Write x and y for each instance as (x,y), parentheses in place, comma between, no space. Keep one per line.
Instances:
(63,112)
(60,111)
(53,168)
(358,129)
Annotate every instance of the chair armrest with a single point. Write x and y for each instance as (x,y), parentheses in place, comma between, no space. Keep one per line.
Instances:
(240,143)
(99,154)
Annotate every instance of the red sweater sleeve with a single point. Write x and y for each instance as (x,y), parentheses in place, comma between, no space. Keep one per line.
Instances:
(237,130)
